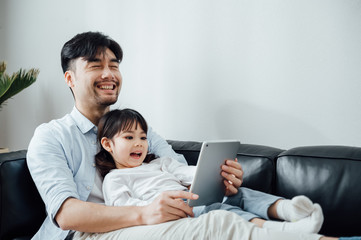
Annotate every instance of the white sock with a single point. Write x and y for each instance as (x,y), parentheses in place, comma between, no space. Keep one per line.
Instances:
(293,210)
(310,224)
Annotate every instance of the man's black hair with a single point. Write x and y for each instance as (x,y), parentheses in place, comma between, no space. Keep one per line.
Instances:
(87,45)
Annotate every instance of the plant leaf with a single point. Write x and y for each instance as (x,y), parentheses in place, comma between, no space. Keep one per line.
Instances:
(5,80)
(2,67)
(16,83)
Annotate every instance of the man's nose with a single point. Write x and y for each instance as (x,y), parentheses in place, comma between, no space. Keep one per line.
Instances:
(107,73)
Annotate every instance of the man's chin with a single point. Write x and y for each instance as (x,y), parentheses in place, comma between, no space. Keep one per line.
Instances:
(108,101)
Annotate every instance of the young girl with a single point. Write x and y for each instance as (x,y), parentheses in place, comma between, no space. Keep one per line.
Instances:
(135,177)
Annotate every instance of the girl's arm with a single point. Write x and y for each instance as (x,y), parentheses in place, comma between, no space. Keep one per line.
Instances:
(117,192)
(183,172)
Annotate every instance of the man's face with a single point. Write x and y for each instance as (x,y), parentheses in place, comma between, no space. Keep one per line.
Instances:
(96,82)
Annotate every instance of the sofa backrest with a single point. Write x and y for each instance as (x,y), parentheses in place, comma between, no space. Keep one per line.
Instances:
(328,175)
(21,209)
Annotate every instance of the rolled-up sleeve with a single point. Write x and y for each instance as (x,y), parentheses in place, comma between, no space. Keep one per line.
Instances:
(160,147)
(49,168)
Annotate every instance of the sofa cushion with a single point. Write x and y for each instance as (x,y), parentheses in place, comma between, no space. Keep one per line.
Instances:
(330,176)
(21,209)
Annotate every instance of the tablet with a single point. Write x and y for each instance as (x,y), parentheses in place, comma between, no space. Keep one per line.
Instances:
(208,182)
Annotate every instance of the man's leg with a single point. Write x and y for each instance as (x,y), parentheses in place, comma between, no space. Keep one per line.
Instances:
(216,225)
(270,234)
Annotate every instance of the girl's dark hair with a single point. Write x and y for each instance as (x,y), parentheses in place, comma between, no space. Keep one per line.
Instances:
(111,124)
(88,45)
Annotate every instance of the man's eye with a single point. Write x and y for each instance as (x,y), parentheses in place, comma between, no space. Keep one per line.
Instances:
(115,66)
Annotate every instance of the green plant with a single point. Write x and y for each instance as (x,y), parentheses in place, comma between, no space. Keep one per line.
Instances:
(18,81)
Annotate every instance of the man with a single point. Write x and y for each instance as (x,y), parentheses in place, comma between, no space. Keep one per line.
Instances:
(61,161)
(61,153)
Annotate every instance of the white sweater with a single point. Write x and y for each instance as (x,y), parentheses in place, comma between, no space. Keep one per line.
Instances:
(141,185)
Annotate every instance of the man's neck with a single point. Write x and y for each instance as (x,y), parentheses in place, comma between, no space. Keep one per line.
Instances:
(93,113)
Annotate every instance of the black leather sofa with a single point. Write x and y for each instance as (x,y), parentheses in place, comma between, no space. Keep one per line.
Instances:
(329,175)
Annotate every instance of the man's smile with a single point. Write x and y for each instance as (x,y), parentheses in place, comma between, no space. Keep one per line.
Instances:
(107,86)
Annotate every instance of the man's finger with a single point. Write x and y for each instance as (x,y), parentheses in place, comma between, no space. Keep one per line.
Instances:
(182,194)
(175,201)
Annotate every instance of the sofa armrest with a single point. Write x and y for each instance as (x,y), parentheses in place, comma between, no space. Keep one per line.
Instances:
(21,209)
(330,176)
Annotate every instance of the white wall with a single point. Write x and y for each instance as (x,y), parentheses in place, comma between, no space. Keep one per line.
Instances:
(272,72)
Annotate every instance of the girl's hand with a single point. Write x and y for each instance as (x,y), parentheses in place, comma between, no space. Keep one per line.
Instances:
(233,176)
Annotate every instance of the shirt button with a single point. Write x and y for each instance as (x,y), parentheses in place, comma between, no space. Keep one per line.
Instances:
(88,187)
(94,165)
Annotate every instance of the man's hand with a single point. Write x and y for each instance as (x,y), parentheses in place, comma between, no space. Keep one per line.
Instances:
(233,176)
(168,206)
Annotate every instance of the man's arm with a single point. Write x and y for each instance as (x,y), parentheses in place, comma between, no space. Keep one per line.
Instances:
(78,215)
(160,147)
(82,216)
(50,169)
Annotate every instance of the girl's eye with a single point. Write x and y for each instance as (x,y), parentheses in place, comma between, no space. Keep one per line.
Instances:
(129,137)
(143,138)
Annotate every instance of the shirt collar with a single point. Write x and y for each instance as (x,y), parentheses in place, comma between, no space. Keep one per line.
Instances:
(84,124)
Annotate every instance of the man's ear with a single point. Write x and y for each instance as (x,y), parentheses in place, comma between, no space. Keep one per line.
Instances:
(105,142)
(69,77)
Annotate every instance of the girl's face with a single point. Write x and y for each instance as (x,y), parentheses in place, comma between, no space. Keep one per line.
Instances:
(128,148)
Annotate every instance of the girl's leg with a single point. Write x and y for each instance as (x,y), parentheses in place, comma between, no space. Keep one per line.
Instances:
(268,206)
(300,213)
(252,201)
(291,210)
(309,224)
(222,206)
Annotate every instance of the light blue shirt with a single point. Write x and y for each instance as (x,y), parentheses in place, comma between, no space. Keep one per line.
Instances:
(61,161)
